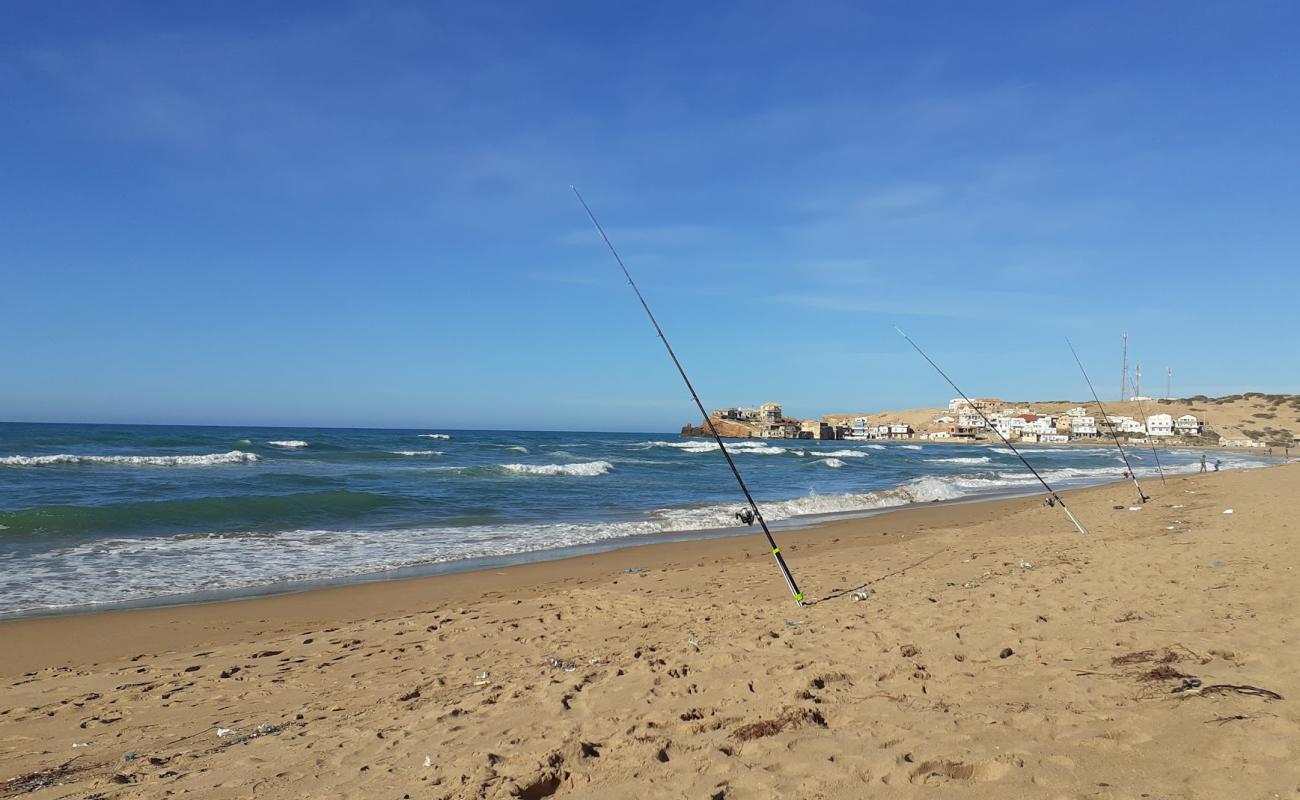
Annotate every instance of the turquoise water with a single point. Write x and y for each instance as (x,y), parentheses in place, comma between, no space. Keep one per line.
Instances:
(100,514)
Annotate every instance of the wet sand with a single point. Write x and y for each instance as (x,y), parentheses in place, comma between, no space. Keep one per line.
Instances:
(697,677)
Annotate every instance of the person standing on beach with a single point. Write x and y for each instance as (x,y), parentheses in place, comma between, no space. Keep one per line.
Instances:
(1203,463)
(1217,462)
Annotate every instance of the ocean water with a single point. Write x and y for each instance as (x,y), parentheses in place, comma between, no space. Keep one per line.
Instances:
(105,514)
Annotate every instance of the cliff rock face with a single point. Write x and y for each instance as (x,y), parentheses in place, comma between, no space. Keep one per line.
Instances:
(727,428)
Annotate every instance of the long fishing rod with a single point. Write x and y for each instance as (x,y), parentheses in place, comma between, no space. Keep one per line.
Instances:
(1052,497)
(1151,440)
(1106,421)
(708,421)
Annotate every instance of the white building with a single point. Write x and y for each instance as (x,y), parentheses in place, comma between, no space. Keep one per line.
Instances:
(1188,425)
(899,430)
(1009,426)
(1083,426)
(1077,411)
(1054,438)
(1160,425)
(860,426)
(1039,424)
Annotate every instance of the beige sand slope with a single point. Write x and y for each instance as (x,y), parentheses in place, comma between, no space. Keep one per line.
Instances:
(1273,419)
(696,678)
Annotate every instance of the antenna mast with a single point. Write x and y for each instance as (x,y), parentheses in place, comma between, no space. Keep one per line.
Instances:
(1123,376)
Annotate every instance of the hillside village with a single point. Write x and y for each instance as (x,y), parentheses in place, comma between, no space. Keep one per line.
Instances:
(1247,420)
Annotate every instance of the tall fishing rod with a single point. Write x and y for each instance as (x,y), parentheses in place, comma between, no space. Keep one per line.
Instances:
(1106,421)
(1052,497)
(1151,439)
(708,421)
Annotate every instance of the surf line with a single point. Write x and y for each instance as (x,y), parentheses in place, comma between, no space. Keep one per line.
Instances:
(1053,499)
(753,506)
(1106,421)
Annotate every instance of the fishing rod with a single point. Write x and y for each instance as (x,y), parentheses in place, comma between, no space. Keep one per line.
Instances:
(1052,497)
(708,421)
(1151,440)
(1106,421)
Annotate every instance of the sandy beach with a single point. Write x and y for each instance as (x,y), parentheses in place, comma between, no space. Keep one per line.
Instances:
(997,653)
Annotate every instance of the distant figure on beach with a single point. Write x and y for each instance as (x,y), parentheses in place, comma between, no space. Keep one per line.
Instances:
(1203,469)
(1217,462)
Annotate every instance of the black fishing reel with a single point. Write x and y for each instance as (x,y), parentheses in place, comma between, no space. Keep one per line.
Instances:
(746,516)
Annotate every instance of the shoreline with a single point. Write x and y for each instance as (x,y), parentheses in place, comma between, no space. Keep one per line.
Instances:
(522,571)
(391,595)
(540,556)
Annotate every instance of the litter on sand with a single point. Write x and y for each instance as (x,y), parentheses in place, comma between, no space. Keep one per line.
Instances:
(224,732)
(1026,564)
(1227,511)
(560,663)
(483,679)
(1135,508)
(861,595)
(634,570)
(428,761)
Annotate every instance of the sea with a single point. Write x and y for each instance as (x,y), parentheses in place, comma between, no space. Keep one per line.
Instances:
(100,516)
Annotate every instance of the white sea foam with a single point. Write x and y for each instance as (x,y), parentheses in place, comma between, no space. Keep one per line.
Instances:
(416,452)
(233,457)
(744,446)
(911,447)
(830,462)
(288,443)
(584,469)
(842,454)
(876,447)
(970,460)
(690,447)
(433,435)
(518,448)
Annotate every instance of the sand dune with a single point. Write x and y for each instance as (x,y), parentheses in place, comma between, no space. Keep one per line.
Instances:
(997,654)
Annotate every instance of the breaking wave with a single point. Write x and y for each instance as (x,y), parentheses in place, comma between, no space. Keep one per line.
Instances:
(416,452)
(585,469)
(910,447)
(830,462)
(233,457)
(433,435)
(959,460)
(288,443)
(843,454)
(744,446)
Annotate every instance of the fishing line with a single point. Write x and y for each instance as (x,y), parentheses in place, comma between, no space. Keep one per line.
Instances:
(1053,497)
(1106,421)
(1151,440)
(758,515)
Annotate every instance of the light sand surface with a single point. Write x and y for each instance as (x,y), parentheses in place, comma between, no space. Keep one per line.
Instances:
(962,674)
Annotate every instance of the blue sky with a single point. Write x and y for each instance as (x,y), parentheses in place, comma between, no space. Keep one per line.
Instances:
(359,214)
